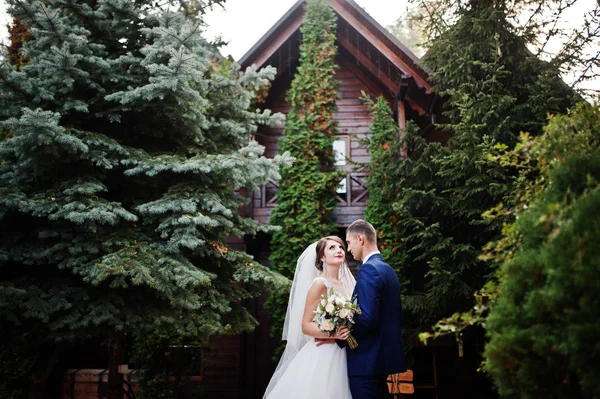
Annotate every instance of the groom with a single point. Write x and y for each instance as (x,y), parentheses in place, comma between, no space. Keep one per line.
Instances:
(378,329)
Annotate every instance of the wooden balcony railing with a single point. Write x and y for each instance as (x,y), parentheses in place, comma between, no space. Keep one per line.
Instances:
(353,191)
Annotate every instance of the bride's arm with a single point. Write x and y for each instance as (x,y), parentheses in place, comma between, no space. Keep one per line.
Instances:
(312,300)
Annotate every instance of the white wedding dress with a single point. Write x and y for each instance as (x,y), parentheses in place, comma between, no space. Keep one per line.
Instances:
(314,372)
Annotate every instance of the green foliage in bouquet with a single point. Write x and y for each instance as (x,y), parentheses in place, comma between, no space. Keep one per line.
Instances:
(334,311)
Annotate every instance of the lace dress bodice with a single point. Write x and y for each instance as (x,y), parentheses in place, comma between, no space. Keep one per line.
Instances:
(346,292)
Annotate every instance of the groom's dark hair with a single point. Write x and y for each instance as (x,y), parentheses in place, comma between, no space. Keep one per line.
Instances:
(363,227)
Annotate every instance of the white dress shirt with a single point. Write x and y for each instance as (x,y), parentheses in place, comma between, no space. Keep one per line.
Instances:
(369,255)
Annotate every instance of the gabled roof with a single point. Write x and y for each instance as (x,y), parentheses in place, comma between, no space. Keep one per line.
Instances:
(282,27)
(358,33)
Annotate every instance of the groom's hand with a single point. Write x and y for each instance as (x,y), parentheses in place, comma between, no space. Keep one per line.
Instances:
(342,333)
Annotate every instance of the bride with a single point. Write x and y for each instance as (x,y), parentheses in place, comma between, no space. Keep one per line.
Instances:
(305,370)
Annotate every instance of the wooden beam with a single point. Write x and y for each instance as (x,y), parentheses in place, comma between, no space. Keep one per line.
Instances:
(422,100)
(277,42)
(378,44)
(402,125)
(415,105)
(362,76)
(371,67)
(401,115)
(406,93)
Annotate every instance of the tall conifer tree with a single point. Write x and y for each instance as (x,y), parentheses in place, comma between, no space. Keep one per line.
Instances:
(307,189)
(494,88)
(128,144)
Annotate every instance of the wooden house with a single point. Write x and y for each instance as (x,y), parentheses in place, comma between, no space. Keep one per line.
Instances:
(372,60)
(369,59)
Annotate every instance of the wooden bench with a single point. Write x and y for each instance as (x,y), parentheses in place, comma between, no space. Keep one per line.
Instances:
(401,384)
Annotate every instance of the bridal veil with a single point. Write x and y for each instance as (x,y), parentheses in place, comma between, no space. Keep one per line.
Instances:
(304,276)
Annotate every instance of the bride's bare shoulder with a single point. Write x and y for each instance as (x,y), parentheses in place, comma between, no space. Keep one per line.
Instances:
(319,285)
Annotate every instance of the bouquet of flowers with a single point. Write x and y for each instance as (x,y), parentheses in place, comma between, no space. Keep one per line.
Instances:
(334,311)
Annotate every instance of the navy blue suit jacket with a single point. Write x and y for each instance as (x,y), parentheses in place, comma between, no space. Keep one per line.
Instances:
(378,329)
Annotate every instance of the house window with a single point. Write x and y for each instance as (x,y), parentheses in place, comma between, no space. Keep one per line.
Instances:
(342,187)
(340,149)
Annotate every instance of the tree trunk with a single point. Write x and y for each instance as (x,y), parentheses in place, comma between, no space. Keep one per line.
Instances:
(40,376)
(116,357)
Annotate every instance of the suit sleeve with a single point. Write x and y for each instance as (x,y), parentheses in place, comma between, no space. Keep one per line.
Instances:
(368,288)
(341,343)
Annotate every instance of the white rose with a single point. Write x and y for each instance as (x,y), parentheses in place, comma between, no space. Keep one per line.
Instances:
(340,301)
(327,326)
(344,313)
(323,302)
(330,308)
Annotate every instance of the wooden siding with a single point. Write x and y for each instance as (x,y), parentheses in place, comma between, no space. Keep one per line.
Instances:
(354,121)
(222,377)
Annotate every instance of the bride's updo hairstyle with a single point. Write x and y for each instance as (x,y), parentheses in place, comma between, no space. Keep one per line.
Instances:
(321,249)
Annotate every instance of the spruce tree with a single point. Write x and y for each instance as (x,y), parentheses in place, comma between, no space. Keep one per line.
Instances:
(546,26)
(307,188)
(493,88)
(129,143)
(543,327)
